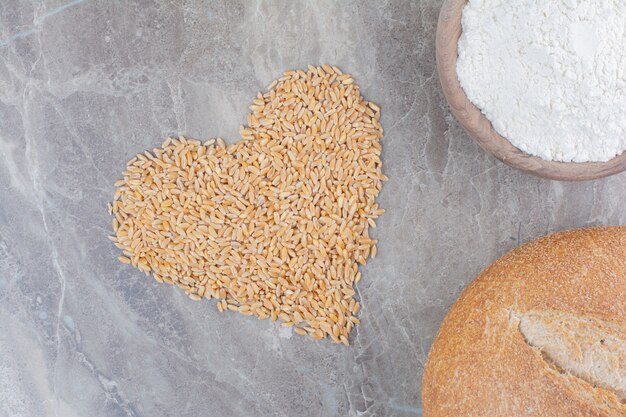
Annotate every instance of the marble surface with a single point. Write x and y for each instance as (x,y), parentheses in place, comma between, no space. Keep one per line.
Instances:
(86,84)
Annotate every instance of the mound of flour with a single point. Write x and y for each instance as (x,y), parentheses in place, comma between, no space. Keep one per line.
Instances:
(549,74)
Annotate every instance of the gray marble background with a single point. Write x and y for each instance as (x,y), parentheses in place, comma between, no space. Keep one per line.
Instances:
(86,84)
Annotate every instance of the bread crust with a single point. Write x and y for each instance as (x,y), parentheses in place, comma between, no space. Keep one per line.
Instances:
(481,365)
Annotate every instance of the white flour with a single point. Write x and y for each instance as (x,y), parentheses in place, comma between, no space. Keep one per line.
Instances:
(549,74)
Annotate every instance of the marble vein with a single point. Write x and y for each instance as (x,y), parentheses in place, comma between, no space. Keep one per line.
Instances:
(37,22)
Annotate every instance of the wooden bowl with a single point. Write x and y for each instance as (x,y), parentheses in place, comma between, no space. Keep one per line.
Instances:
(480,128)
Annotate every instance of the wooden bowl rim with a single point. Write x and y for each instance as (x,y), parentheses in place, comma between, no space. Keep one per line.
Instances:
(481,129)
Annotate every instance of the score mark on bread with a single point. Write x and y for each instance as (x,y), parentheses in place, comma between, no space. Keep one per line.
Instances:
(588,348)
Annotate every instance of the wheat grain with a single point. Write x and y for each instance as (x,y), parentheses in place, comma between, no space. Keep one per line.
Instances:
(272,226)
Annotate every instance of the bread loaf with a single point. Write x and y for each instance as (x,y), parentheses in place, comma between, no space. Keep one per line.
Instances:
(541,332)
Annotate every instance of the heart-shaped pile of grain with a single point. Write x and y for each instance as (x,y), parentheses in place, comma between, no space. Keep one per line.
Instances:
(274,225)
